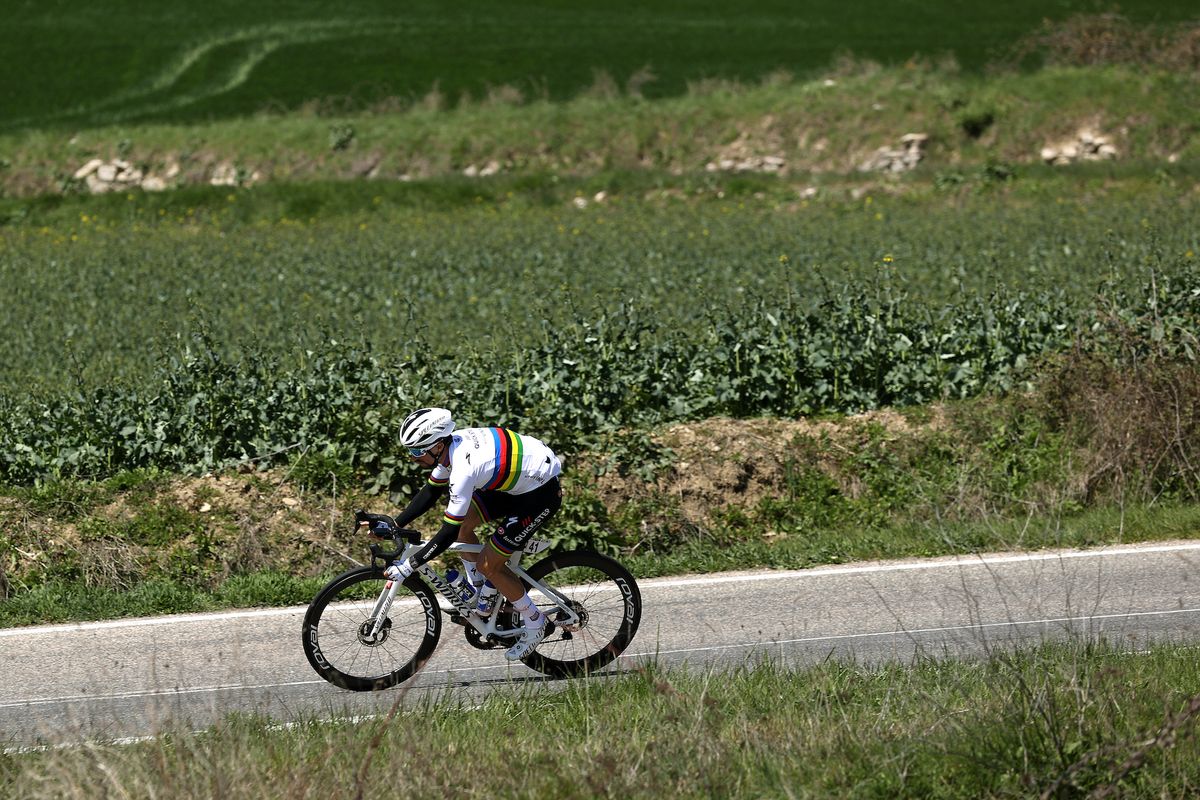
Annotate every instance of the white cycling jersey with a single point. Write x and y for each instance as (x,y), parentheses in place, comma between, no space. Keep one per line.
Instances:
(492,459)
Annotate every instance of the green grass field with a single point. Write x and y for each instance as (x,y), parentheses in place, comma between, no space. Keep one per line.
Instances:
(72,67)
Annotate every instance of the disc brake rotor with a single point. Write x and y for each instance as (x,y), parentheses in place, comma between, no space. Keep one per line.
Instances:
(364,632)
(560,619)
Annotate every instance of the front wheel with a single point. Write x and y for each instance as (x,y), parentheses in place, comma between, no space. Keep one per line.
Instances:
(604,595)
(338,631)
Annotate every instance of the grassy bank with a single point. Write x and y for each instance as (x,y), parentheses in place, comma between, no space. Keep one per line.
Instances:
(816,129)
(1057,721)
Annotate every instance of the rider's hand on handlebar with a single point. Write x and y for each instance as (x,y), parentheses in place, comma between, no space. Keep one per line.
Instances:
(379,525)
(382,526)
(398,571)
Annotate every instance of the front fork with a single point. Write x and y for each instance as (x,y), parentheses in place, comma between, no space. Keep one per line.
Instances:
(382,606)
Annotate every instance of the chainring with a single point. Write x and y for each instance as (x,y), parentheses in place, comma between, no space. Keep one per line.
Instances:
(507,620)
(476,640)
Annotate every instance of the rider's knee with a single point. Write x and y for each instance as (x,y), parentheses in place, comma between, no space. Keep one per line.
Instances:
(490,561)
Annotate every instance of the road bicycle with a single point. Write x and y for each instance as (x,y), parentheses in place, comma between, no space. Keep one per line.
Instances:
(364,633)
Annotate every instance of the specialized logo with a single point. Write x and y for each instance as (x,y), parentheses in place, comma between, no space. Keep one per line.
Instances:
(529,525)
(446,590)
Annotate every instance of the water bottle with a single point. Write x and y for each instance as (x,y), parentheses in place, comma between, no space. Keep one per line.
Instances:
(487,599)
(460,586)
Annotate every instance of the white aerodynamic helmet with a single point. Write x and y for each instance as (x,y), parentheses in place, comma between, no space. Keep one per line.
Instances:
(424,427)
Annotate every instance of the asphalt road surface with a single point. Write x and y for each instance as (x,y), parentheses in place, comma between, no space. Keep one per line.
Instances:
(134,678)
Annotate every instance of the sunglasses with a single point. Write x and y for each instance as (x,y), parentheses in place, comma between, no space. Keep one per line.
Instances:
(418,452)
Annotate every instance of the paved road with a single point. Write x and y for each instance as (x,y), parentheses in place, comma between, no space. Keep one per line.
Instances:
(133,678)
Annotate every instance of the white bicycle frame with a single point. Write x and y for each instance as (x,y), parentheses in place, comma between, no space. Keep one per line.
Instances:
(486,627)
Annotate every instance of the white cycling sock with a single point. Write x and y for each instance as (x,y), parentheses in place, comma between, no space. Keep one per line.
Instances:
(530,615)
(472,572)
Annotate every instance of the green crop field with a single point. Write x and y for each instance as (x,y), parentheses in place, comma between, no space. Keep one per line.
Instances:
(125,281)
(75,67)
(139,339)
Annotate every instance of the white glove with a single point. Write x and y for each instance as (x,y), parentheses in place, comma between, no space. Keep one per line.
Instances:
(398,571)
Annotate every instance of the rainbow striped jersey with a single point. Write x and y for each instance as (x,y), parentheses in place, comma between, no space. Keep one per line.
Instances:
(492,460)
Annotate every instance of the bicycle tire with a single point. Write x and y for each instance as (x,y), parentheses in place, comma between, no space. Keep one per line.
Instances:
(338,621)
(611,604)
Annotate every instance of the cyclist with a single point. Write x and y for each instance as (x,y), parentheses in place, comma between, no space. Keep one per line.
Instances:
(494,476)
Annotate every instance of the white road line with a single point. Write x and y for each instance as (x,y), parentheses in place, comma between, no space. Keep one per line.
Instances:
(128,740)
(699,580)
(772,643)
(915,631)
(139,622)
(166,693)
(939,563)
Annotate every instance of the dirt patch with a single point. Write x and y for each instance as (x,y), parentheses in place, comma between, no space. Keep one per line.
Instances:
(204,529)
(719,463)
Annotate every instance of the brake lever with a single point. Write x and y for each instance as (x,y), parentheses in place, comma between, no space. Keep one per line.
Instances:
(407,534)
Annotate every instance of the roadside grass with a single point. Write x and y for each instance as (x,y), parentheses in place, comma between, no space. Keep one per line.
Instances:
(58,600)
(1092,528)
(1058,720)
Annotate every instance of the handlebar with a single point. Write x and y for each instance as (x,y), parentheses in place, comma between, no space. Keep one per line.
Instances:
(382,526)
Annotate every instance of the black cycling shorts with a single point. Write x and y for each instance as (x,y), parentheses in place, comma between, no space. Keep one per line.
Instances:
(517,516)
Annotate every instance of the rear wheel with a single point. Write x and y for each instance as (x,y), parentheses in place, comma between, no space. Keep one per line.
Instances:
(338,639)
(604,595)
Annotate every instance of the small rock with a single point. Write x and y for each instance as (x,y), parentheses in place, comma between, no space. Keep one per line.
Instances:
(88,169)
